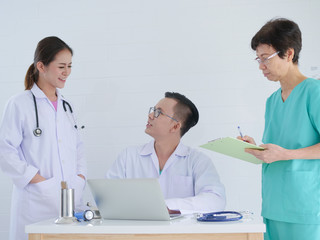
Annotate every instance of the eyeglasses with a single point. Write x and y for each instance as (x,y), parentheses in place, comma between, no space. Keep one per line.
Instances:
(265,61)
(157,112)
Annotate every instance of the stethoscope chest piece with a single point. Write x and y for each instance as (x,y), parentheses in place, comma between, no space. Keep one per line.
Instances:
(37,132)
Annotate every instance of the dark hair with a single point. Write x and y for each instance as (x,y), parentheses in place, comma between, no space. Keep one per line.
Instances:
(184,110)
(45,52)
(281,34)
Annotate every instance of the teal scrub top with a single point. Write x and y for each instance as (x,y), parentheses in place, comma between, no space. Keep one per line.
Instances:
(291,189)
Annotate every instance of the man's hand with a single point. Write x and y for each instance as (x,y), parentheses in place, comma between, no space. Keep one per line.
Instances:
(173,211)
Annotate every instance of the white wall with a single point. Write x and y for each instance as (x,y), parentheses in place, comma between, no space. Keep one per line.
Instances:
(129,52)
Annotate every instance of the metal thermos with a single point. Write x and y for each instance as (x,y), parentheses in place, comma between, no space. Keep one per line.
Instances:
(67,203)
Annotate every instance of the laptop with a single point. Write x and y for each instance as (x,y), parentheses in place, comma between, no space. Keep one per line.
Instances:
(130,199)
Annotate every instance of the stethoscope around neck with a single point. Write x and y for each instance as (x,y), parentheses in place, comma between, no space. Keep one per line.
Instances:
(37,131)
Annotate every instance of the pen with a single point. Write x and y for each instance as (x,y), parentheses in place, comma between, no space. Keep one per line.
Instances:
(240,132)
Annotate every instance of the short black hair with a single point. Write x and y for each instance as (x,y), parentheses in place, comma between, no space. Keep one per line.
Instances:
(185,110)
(281,34)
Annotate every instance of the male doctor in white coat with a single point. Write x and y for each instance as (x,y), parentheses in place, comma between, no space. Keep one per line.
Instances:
(188,178)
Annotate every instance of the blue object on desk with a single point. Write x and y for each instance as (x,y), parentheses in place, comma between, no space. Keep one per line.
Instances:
(86,215)
(223,216)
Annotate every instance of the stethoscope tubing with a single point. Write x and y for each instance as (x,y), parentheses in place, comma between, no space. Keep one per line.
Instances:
(219,216)
(37,131)
(64,103)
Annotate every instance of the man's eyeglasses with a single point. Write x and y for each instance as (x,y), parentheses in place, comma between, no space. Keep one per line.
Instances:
(157,112)
(265,61)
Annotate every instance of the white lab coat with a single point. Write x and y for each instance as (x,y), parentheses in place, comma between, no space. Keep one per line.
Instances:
(56,155)
(189,180)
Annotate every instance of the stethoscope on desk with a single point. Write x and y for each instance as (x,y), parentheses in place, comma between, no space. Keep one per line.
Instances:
(37,131)
(223,216)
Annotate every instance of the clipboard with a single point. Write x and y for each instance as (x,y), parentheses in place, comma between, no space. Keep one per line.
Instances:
(234,148)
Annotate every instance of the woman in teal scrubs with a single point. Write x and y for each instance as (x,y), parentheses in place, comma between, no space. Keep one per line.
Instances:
(291,169)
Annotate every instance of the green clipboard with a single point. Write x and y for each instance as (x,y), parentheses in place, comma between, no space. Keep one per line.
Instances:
(234,148)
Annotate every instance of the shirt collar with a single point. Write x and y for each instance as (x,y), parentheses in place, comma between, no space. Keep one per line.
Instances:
(181,149)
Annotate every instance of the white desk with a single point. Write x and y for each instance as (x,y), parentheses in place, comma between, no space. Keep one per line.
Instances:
(179,229)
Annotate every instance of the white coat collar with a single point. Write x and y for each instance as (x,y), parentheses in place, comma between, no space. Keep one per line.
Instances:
(38,93)
(181,149)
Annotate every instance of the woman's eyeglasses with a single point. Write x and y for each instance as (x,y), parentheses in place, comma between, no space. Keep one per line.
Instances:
(265,61)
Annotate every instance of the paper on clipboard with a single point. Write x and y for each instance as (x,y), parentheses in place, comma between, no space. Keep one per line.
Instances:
(234,148)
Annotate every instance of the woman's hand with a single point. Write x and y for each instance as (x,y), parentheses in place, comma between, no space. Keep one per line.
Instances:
(247,139)
(37,178)
(80,175)
(272,153)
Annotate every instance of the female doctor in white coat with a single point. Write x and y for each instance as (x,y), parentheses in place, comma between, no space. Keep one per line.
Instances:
(39,140)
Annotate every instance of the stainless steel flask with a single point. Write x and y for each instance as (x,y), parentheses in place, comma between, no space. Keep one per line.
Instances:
(67,203)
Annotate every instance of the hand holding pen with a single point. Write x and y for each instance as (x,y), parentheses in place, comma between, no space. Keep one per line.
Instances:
(245,138)
(271,152)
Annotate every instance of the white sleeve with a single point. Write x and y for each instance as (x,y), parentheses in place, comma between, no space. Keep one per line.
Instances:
(81,157)
(12,161)
(209,191)
(118,167)
(81,161)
